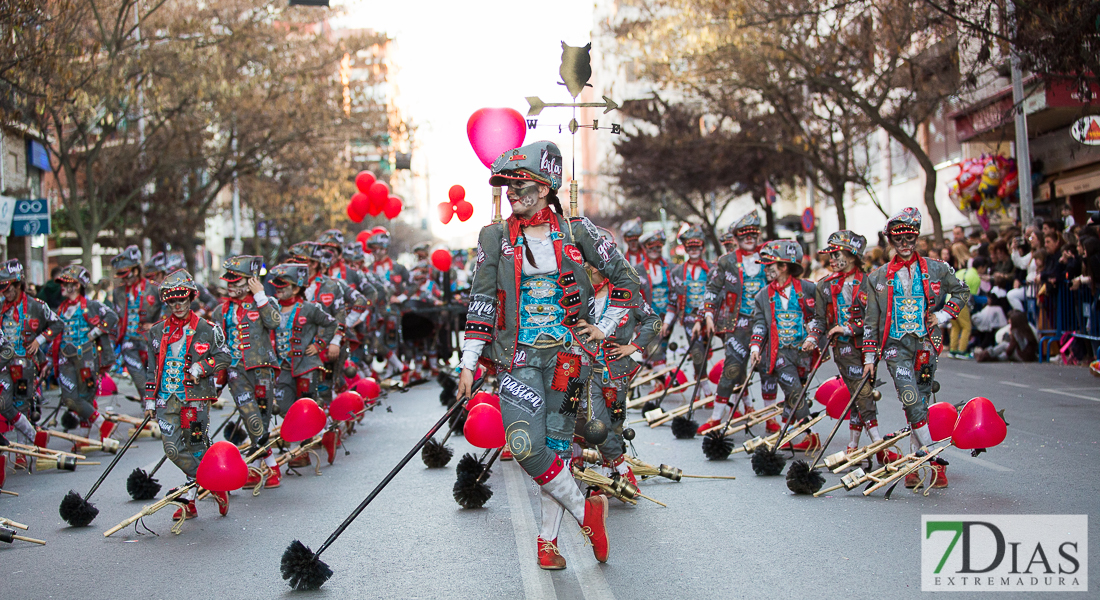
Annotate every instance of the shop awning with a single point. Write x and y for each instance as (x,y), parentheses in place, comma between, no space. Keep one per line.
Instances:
(1048,103)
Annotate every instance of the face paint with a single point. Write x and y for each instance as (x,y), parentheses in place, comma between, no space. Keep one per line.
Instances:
(840,261)
(180,307)
(11,292)
(747,242)
(285,293)
(904,243)
(771,272)
(694,252)
(653,252)
(71,291)
(238,289)
(524,198)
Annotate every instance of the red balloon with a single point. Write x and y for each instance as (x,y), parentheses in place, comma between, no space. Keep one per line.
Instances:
(368,388)
(345,406)
(715,374)
(353,214)
(838,402)
(484,427)
(484,398)
(464,210)
(364,180)
(393,207)
(222,469)
(360,203)
(678,376)
(941,420)
(493,131)
(825,390)
(456,193)
(303,420)
(446,211)
(441,259)
(362,238)
(378,195)
(979,426)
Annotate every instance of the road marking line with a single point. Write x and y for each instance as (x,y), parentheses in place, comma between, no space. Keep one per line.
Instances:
(968,376)
(1014,384)
(1071,395)
(537,584)
(584,565)
(965,457)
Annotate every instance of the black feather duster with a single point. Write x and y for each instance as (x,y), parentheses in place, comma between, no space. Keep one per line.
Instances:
(768,462)
(801,480)
(717,446)
(684,428)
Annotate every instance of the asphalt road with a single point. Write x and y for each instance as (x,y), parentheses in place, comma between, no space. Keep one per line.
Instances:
(749,538)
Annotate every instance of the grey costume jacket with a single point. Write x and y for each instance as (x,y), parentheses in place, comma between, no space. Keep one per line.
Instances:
(722,301)
(764,330)
(493,315)
(643,321)
(257,325)
(205,346)
(312,325)
(150,307)
(38,319)
(96,314)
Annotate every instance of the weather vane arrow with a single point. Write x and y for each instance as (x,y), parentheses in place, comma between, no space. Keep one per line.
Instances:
(537,105)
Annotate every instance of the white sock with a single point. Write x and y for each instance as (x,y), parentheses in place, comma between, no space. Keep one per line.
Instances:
(623,468)
(875,435)
(853,437)
(190,494)
(93,430)
(24,427)
(719,413)
(394,362)
(552,513)
(922,435)
(270,460)
(564,489)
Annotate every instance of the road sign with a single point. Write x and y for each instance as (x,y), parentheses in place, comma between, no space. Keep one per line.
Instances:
(7,209)
(808,220)
(1087,130)
(31,217)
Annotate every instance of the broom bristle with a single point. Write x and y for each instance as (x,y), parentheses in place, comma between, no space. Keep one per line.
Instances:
(470,493)
(458,421)
(141,485)
(717,446)
(684,428)
(233,434)
(649,406)
(468,467)
(768,462)
(69,420)
(435,455)
(77,511)
(447,395)
(801,480)
(301,569)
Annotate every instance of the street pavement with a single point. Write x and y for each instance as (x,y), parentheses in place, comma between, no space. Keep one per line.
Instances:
(748,538)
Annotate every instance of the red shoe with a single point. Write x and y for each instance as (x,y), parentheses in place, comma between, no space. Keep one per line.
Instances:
(506,455)
(42,438)
(191,512)
(737,414)
(771,426)
(912,480)
(106,429)
(254,478)
(549,557)
(222,498)
(330,441)
(594,527)
(708,425)
(709,405)
(940,480)
(275,479)
(885,457)
(630,476)
(810,443)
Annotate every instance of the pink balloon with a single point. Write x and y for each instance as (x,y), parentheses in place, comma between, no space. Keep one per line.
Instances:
(825,390)
(464,210)
(354,215)
(484,427)
(456,193)
(482,398)
(345,406)
(303,420)
(979,426)
(941,420)
(493,131)
(378,196)
(441,259)
(715,374)
(446,212)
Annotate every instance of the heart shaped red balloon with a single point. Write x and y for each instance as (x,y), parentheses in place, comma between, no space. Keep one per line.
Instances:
(368,388)
(941,420)
(979,426)
(456,193)
(303,420)
(222,469)
(441,259)
(446,212)
(364,180)
(715,374)
(493,131)
(825,391)
(345,406)
(484,427)
(483,398)
(464,210)
(393,207)
(838,402)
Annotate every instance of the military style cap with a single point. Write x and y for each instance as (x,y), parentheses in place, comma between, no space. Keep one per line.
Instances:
(422,247)
(653,238)
(309,251)
(128,259)
(693,237)
(289,274)
(242,267)
(380,236)
(156,264)
(750,223)
(353,251)
(174,262)
(74,274)
(632,228)
(845,240)
(11,272)
(332,237)
(540,162)
(783,251)
(178,285)
(727,237)
(906,221)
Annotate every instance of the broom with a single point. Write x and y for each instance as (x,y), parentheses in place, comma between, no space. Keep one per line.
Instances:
(684,428)
(302,567)
(618,487)
(716,444)
(142,486)
(643,469)
(435,454)
(470,489)
(652,405)
(79,512)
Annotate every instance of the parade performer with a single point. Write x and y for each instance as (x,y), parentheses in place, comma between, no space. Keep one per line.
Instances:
(331,297)
(688,287)
(632,233)
(529,314)
(906,302)
(187,352)
(138,305)
(836,293)
(780,322)
(156,268)
(250,319)
(84,351)
(613,369)
(333,239)
(655,286)
(206,303)
(28,325)
(396,276)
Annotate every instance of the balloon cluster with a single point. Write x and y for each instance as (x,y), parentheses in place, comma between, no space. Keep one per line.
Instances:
(456,205)
(373,198)
(984,185)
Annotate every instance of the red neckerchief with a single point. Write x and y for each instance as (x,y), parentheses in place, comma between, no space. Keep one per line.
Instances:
(742,255)
(176,326)
(702,264)
(228,301)
(597,287)
(82,301)
(22,299)
(516,222)
(139,286)
(288,302)
(897,263)
(775,288)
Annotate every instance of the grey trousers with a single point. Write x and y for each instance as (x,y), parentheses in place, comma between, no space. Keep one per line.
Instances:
(608,398)
(907,359)
(78,376)
(849,361)
(538,402)
(183,428)
(253,391)
(134,353)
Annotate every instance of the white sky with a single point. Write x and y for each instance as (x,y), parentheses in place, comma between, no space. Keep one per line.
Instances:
(456,57)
